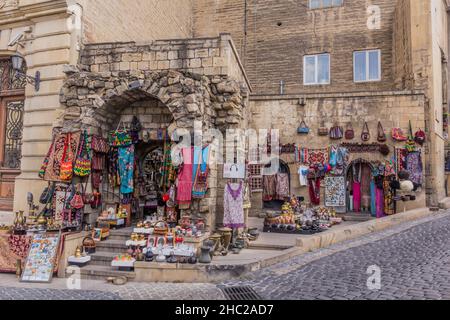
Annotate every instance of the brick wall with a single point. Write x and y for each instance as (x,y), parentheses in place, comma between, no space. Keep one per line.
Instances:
(137,20)
(272,53)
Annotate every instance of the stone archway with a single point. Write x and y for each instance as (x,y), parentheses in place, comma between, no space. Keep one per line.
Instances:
(92,101)
(215,101)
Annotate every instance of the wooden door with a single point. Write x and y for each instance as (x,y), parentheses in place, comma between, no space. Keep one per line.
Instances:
(12,102)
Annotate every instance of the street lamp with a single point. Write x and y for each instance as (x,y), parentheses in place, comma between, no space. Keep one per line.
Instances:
(17,64)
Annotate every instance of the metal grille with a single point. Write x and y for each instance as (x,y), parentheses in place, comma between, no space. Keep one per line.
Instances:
(13,140)
(9,79)
(240,293)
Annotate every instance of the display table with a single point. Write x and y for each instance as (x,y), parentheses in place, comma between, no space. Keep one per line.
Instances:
(196,242)
(80,262)
(131,243)
(113,223)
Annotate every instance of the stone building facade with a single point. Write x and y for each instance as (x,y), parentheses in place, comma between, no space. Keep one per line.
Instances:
(256,47)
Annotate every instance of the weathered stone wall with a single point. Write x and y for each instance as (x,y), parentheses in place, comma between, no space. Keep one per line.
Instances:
(274,52)
(285,114)
(137,20)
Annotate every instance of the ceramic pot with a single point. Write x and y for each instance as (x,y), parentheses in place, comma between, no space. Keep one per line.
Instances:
(205,256)
(192,259)
(149,255)
(161,258)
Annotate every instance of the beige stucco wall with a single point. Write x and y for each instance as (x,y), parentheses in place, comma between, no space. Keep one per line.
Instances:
(137,20)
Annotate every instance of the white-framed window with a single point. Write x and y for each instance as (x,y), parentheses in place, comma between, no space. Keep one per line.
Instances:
(367,65)
(319,4)
(316,69)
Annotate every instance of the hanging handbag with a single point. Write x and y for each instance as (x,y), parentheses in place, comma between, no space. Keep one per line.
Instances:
(98,161)
(398,135)
(410,143)
(420,137)
(303,129)
(365,135)
(77,201)
(96,200)
(323,131)
(83,163)
(381,137)
(99,144)
(46,161)
(349,132)
(47,194)
(336,133)
(119,137)
(66,170)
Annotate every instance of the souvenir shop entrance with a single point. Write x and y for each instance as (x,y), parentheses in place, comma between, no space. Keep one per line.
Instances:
(276,188)
(361,196)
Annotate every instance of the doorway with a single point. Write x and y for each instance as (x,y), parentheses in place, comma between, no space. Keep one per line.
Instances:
(360,197)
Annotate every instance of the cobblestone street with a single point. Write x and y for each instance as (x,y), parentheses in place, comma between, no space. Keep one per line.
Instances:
(413,258)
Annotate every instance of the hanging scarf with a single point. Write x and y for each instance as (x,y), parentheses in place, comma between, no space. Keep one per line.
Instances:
(126,169)
(314,191)
(414,167)
(200,172)
(184,188)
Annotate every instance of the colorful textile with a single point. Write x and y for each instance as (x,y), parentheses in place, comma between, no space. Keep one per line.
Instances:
(282,186)
(269,188)
(319,156)
(233,201)
(12,248)
(373,199)
(356,196)
(184,188)
(52,171)
(200,172)
(380,203)
(314,191)
(389,203)
(415,167)
(126,169)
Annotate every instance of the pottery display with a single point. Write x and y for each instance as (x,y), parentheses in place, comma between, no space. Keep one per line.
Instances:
(205,256)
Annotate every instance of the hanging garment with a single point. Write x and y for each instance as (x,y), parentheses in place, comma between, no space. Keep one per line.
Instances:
(269,188)
(200,172)
(356,196)
(414,167)
(380,203)
(53,167)
(233,202)
(314,191)
(247,196)
(373,199)
(365,186)
(184,188)
(126,169)
(282,188)
(389,203)
(302,174)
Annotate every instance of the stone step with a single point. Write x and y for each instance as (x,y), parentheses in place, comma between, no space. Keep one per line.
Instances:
(122,237)
(96,272)
(117,246)
(102,258)
(358,217)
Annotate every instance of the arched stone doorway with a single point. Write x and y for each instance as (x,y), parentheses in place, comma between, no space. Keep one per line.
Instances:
(96,102)
(359,174)
(12,101)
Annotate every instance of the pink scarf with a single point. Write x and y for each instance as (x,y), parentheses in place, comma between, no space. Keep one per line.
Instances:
(184,189)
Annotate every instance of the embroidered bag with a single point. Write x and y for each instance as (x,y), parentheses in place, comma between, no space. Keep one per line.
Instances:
(77,201)
(47,194)
(336,132)
(323,131)
(66,170)
(398,135)
(96,200)
(303,129)
(349,132)
(119,137)
(99,144)
(83,163)
(46,161)
(420,137)
(365,135)
(381,134)
(98,161)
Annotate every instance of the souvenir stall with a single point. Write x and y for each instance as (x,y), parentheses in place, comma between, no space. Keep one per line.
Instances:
(370,179)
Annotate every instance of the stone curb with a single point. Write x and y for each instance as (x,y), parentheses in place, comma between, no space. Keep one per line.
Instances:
(360,229)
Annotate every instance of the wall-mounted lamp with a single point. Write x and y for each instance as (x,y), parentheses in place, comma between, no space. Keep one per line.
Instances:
(17,64)
(302,102)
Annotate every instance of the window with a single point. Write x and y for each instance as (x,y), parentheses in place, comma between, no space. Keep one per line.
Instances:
(367,65)
(318,4)
(316,69)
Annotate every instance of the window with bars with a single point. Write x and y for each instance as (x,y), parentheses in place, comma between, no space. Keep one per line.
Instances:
(9,79)
(255,177)
(13,134)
